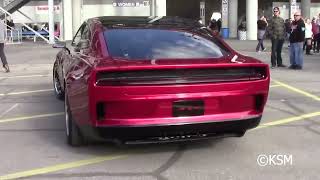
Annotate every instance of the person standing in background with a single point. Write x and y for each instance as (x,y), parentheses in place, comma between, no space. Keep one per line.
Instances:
(308,36)
(262,25)
(3,30)
(297,37)
(214,27)
(219,24)
(316,35)
(278,32)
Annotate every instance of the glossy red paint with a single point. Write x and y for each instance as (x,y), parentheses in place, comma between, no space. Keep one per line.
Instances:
(152,105)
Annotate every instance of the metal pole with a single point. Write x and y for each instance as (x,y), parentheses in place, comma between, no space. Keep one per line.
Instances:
(19,40)
(11,38)
(155,8)
(51,21)
(151,8)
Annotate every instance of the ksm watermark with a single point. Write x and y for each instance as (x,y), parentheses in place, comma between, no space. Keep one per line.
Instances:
(275,160)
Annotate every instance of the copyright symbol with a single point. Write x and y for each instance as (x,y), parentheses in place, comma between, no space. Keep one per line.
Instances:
(262,160)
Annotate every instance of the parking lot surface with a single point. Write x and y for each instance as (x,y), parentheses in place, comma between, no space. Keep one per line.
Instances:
(33,144)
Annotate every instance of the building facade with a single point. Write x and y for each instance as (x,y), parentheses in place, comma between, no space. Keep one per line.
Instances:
(71,13)
(233,12)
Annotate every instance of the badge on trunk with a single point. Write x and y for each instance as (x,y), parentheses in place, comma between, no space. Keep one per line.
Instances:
(188,108)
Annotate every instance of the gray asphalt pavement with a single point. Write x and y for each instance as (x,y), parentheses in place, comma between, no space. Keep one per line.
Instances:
(33,142)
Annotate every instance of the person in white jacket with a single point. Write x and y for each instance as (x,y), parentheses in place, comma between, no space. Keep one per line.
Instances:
(3,30)
(308,36)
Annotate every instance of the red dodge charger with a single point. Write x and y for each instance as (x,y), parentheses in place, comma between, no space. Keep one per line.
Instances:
(138,80)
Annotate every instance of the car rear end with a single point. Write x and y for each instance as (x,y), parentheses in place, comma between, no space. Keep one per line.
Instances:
(174,85)
(144,105)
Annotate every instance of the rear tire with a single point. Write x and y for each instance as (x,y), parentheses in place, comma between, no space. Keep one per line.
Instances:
(73,133)
(58,91)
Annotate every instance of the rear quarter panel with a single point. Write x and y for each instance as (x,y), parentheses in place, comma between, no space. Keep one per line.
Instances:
(77,90)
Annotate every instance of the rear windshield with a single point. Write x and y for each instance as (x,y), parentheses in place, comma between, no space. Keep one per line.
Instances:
(160,44)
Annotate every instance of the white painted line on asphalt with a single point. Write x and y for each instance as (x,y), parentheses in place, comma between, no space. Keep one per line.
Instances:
(26,76)
(26,92)
(7,111)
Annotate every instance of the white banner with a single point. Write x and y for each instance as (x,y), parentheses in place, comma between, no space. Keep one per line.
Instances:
(44,9)
(127,3)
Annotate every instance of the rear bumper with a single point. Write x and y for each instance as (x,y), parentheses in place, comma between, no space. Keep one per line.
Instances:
(170,133)
(149,105)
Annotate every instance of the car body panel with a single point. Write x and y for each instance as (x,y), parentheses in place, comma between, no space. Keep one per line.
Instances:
(152,105)
(125,104)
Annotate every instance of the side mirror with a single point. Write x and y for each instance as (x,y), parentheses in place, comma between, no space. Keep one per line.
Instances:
(59,45)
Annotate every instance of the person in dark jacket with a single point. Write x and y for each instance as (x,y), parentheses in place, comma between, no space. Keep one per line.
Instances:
(297,37)
(10,24)
(219,22)
(214,27)
(278,32)
(262,25)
